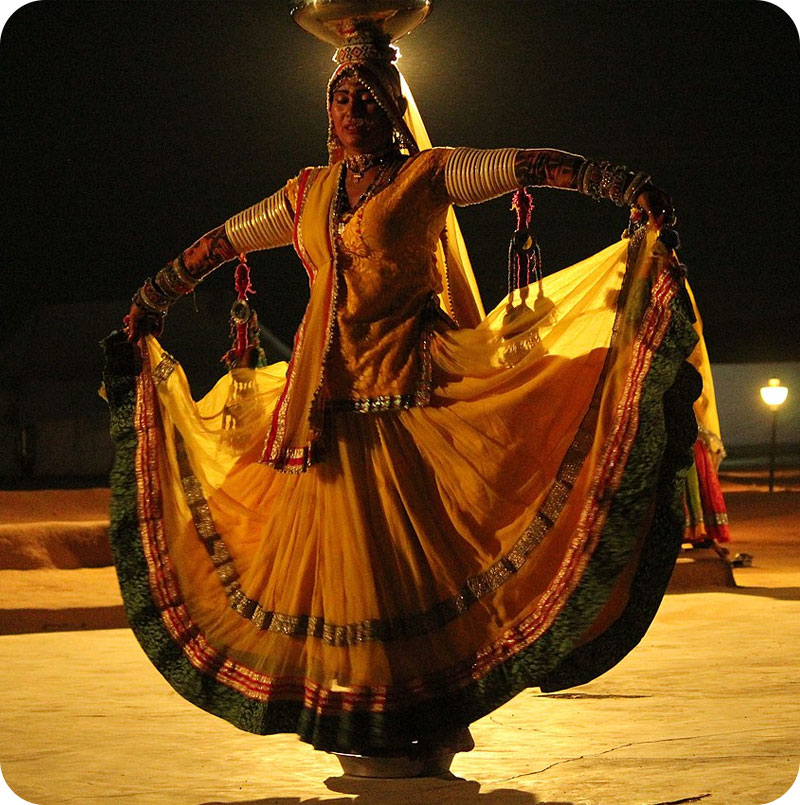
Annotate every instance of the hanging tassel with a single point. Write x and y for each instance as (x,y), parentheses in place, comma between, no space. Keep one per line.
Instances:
(521,323)
(245,353)
(244,322)
(242,312)
(524,255)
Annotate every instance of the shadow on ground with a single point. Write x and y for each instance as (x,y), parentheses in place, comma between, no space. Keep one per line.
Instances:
(778,593)
(420,791)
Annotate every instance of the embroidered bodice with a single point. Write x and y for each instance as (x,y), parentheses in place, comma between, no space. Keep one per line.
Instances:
(387,274)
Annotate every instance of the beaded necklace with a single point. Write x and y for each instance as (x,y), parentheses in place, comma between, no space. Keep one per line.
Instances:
(342,211)
(359,164)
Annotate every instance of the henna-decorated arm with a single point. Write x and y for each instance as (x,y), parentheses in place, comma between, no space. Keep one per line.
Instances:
(547,167)
(265,225)
(473,175)
(178,278)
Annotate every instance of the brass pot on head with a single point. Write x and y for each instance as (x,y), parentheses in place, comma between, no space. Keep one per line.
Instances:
(340,21)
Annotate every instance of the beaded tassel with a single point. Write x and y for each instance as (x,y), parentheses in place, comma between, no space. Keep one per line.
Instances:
(245,353)
(244,322)
(243,287)
(524,255)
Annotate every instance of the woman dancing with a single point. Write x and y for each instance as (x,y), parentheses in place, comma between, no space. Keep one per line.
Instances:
(429,508)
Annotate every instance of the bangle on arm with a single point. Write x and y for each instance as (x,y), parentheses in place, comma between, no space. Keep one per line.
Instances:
(600,180)
(184,274)
(175,281)
(265,225)
(473,175)
(151,299)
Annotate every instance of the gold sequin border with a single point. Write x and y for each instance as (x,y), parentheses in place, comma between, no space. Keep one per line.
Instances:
(274,454)
(483,584)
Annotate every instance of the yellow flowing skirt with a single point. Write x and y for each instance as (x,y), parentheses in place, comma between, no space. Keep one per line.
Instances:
(519,531)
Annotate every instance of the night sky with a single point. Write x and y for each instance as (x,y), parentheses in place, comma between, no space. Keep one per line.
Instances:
(131,128)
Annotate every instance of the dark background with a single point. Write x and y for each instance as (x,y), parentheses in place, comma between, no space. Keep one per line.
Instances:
(130,128)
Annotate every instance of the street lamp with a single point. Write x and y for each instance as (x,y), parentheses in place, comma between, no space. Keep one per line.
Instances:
(774,395)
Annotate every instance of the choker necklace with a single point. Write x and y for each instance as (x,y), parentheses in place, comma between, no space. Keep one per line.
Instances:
(342,211)
(359,164)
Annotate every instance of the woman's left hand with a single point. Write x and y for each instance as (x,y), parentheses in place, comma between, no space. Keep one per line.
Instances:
(658,206)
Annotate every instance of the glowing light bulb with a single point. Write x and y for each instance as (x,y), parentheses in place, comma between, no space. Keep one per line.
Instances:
(774,394)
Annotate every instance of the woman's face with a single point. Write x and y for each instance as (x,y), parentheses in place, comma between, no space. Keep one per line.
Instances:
(360,124)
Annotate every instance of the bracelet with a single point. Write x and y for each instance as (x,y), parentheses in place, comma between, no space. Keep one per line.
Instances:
(600,180)
(472,175)
(174,281)
(151,299)
(265,225)
(186,276)
(604,180)
(639,181)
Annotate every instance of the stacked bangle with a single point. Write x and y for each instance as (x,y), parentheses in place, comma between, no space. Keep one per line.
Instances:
(151,298)
(615,182)
(473,175)
(184,273)
(169,285)
(636,185)
(175,281)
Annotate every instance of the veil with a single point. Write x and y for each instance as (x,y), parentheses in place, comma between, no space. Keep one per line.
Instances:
(460,296)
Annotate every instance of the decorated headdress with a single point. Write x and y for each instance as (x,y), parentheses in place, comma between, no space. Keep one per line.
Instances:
(363,32)
(370,58)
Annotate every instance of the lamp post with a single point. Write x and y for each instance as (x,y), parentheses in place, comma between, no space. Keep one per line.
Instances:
(774,395)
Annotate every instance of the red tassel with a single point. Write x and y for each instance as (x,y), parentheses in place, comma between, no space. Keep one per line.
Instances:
(522,204)
(244,327)
(243,287)
(242,278)
(525,242)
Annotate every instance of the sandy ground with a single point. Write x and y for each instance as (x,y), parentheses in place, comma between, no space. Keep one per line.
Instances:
(64,505)
(706,709)
(60,528)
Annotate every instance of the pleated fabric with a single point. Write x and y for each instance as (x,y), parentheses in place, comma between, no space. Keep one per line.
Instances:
(518,531)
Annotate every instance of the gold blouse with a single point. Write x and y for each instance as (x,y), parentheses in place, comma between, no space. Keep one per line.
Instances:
(386,271)
(387,276)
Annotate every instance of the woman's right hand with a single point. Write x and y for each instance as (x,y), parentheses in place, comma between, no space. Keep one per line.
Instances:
(140,322)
